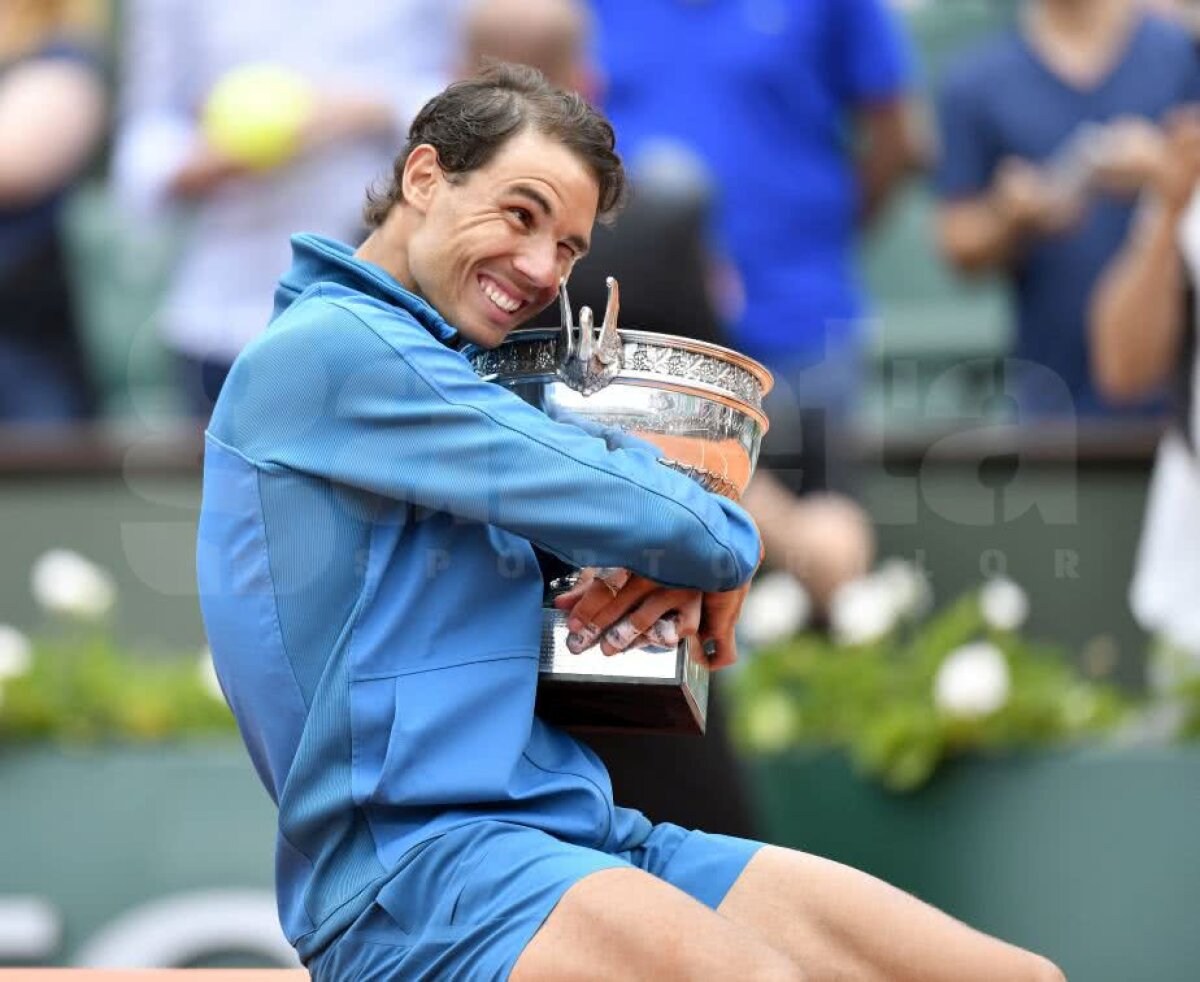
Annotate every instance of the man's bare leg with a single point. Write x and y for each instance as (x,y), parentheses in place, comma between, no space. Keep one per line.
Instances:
(840,923)
(626,924)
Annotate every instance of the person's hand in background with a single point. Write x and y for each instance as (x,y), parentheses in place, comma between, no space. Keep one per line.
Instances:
(1174,179)
(823,539)
(832,543)
(204,171)
(261,118)
(1129,156)
(1029,202)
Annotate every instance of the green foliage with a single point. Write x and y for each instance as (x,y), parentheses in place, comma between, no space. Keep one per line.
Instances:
(83,688)
(876,701)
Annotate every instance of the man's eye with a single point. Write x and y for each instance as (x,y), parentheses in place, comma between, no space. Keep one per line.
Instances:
(522,215)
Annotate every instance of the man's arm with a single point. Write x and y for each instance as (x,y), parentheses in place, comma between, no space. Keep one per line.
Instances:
(873,63)
(51,119)
(391,411)
(1138,311)
(892,149)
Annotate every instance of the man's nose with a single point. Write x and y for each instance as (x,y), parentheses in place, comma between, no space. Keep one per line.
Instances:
(539,264)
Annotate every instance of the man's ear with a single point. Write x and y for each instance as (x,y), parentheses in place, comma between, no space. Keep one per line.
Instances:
(423,175)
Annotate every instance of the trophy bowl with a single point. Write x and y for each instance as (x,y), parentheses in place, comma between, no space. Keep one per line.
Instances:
(700,406)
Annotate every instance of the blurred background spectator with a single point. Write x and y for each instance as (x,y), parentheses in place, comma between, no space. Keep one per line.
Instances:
(52,115)
(1186,12)
(1143,335)
(1047,134)
(799,114)
(348,84)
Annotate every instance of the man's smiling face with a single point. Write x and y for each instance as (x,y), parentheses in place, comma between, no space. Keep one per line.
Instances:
(496,242)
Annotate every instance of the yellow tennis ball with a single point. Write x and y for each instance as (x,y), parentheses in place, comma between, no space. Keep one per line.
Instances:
(255,114)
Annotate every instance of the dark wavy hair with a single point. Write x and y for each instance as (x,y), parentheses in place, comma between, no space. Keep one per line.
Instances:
(471,120)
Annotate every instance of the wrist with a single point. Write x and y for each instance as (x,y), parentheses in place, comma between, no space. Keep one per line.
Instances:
(1010,222)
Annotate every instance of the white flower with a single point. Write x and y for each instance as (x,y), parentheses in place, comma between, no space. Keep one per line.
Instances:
(777,608)
(861,611)
(16,653)
(907,587)
(1003,604)
(208,675)
(66,583)
(972,681)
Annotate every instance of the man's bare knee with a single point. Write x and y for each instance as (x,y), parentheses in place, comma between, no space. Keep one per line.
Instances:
(1044,970)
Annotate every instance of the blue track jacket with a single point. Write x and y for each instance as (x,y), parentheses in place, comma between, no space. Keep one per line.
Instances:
(370,591)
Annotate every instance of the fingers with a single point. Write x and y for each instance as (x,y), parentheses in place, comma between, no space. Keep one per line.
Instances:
(565,601)
(668,631)
(716,652)
(650,610)
(600,608)
(631,628)
(612,576)
(630,615)
(663,633)
(718,647)
(687,617)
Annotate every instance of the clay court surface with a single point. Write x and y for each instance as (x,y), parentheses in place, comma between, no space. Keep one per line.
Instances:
(153,975)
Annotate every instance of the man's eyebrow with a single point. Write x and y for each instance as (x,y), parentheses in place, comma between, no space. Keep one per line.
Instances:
(577,242)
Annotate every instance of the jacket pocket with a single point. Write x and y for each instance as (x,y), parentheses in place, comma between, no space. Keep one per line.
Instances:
(446,735)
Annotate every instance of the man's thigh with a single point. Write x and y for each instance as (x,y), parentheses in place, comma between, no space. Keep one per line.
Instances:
(838,922)
(657,920)
(626,924)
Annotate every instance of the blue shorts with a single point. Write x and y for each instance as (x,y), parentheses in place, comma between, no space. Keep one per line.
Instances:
(464,905)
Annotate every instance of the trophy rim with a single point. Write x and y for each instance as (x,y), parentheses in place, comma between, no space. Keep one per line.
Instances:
(763,374)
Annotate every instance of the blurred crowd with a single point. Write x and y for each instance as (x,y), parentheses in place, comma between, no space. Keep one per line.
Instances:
(765,140)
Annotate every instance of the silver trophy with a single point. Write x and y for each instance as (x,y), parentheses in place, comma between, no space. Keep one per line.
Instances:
(700,405)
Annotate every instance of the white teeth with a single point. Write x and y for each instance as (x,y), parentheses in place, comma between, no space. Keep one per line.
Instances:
(501,300)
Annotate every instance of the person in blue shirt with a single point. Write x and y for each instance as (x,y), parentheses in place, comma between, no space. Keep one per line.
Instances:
(799,112)
(370,592)
(1048,133)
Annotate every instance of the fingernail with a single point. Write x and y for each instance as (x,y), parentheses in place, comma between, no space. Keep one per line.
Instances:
(620,635)
(664,632)
(582,639)
(710,648)
(574,624)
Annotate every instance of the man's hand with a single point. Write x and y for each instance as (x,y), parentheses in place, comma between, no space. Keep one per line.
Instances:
(718,619)
(205,171)
(621,610)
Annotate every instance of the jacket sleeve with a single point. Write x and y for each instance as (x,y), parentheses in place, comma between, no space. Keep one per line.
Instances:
(377,404)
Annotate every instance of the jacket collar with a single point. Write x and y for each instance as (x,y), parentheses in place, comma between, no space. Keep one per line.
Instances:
(317,259)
